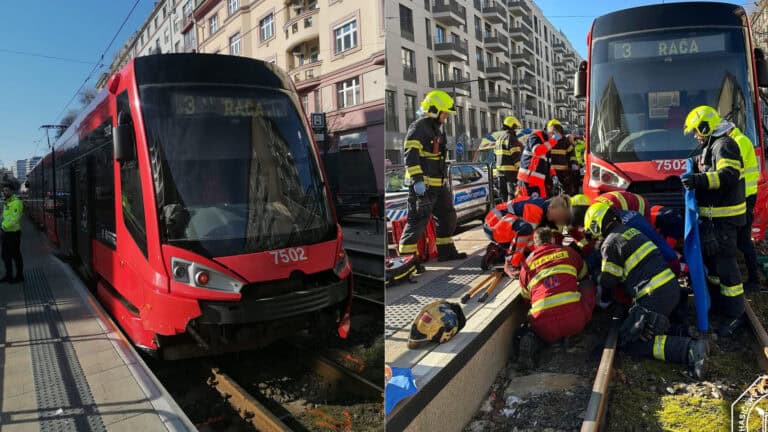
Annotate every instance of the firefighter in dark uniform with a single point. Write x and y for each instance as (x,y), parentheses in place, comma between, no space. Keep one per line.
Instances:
(508,158)
(720,189)
(428,193)
(632,261)
(563,158)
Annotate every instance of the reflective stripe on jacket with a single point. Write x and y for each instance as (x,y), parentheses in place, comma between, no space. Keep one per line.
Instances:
(549,278)
(12,211)
(424,152)
(748,158)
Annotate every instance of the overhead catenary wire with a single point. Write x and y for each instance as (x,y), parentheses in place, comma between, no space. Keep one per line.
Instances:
(99,63)
(45,56)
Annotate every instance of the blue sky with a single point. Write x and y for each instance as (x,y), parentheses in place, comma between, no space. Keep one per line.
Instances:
(574,17)
(34,90)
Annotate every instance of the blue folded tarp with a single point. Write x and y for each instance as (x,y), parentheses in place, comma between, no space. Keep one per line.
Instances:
(692,250)
(399,387)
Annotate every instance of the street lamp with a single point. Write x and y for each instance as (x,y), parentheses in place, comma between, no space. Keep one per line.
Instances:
(48,127)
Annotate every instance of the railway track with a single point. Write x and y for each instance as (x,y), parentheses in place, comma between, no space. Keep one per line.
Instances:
(339,381)
(597,407)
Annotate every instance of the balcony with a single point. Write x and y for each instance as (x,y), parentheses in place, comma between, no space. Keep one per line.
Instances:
(452,51)
(518,34)
(561,65)
(527,22)
(409,73)
(494,13)
(528,44)
(521,59)
(454,87)
(559,47)
(518,8)
(307,75)
(496,43)
(527,84)
(450,13)
(562,84)
(499,100)
(302,28)
(500,71)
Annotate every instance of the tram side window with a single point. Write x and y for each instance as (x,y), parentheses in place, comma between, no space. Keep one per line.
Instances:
(130,185)
(102,163)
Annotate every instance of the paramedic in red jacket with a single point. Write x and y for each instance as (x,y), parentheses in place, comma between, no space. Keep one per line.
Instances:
(553,279)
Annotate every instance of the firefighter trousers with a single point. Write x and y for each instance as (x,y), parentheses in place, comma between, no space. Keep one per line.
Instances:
(744,240)
(568,319)
(664,300)
(507,185)
(724,276)
(437,202)
(569,180)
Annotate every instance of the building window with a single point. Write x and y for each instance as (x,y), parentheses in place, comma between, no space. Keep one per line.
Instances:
(167,35)
(267,27)
(346,36)
(390,107)
(406,23)
(232,6)
(213,24)
(187,9)
(407,59)
(234,44)
(439,35)
(410,109)
(176,25)
(316,97)
(348,93)
(428,25)
(164,12)
(305,102)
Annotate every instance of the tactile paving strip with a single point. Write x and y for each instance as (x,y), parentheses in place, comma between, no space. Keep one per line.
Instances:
(401,313)
(64,399)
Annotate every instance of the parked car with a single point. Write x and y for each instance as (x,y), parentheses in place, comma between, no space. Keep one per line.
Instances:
(469,183)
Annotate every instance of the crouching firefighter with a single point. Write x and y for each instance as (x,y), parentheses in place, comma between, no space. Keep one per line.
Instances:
(562,300)
(428,193)
(632,261)
(720,190)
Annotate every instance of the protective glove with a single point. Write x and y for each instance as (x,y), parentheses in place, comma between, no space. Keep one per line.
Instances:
(556,136)
(420,188)
(555,180)
(694,181)
(575,167)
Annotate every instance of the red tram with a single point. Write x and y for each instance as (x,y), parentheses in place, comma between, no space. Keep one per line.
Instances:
(190,193)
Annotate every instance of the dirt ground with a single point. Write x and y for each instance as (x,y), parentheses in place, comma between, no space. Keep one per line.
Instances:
(645,394)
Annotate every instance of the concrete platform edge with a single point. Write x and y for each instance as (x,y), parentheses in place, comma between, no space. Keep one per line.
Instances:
(452,396)
(167,409)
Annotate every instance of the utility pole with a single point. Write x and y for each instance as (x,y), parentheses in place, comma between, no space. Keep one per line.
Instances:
(47,127)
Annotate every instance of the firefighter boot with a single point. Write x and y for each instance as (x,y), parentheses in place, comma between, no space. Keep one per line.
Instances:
(448,252)
(697,353)
(530,345)
(729,326)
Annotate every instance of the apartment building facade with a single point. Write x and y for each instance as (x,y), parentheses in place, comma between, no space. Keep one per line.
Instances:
(497,58)
(169,28)
(333,50)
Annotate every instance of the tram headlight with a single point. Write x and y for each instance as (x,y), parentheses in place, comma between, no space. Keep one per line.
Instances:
(200,276)
(600,175)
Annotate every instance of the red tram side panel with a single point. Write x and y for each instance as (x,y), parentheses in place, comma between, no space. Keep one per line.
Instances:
(191,194)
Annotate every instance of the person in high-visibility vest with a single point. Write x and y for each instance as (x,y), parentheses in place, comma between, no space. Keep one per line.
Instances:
(563,158)
(11,236)
(554,280)
(631,261)
(429,195)
(507,152)
(578,148)
(720,188)
(535,166)
(751,175)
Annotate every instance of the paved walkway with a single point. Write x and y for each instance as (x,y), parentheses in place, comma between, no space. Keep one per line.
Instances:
(64,366)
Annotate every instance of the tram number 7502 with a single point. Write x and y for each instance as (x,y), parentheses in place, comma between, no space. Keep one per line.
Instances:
(670,165)
(285,256)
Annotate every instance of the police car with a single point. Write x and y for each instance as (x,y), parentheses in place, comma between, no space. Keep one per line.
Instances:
(470,187)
